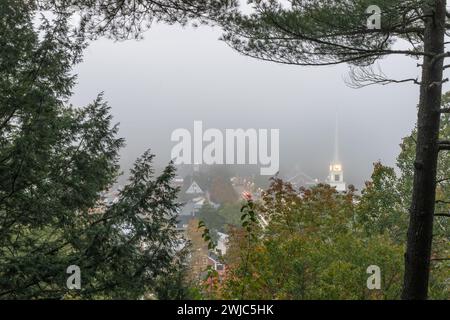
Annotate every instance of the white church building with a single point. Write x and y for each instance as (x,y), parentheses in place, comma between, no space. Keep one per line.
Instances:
(336,177)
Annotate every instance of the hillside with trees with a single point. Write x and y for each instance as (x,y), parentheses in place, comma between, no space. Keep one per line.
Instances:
(58,161)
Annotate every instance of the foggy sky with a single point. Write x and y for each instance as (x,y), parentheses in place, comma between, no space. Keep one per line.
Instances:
(178,75)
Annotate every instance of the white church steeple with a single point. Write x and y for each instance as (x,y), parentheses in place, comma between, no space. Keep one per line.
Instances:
(336,140)
(336,174)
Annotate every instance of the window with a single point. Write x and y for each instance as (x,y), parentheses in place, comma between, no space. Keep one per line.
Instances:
(337,177)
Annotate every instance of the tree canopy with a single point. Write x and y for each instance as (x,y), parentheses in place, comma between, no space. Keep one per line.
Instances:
(55,162)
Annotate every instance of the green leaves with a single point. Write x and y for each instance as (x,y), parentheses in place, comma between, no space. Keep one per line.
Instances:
(56,161)
(206,235)
(310,248)
(248,218)
(383,208)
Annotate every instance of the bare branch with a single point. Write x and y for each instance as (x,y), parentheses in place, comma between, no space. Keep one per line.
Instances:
(447,215)
(438,57)
(440,259)
(437,83)
(366,76)
(444,145)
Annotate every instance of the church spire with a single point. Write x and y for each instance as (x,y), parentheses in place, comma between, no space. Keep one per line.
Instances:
(336,139)
(336,174)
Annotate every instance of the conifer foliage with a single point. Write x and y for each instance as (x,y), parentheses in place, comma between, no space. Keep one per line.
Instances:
(55,162)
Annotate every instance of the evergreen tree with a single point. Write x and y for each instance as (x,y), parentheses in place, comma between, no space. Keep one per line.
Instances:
(211,217)
(55,161)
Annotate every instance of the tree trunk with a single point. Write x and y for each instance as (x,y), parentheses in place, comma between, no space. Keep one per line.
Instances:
(420,232)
